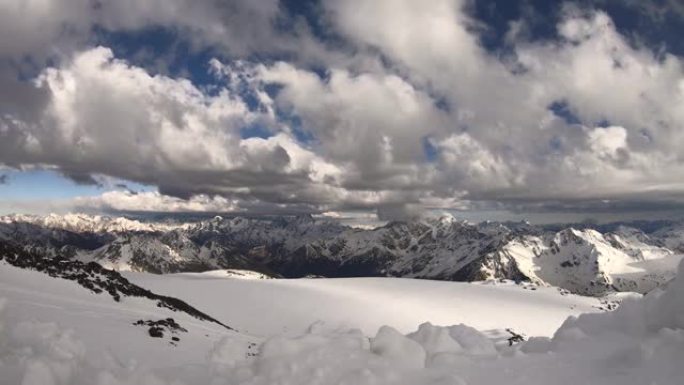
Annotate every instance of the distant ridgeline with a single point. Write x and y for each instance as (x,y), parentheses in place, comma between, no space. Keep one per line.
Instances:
(581,259)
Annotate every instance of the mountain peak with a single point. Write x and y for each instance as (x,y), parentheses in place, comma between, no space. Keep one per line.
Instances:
(294,246)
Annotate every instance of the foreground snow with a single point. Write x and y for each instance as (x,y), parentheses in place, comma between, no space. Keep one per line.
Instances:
(37,302)
(640,343)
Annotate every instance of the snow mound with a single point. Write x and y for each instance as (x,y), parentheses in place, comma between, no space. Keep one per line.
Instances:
(43,353)
(405,352)
(339,356)
(642,342)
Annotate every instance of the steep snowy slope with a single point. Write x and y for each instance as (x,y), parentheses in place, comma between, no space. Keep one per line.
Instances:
(671,236)
(587,262)
(637,244)
(150,252)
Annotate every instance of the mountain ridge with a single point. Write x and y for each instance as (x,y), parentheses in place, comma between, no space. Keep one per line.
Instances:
(584,261)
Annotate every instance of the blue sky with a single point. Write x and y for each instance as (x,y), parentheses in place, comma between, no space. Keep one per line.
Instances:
(41,184)
(316,106)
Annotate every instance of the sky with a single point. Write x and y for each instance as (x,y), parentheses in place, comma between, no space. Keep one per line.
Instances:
(363,110)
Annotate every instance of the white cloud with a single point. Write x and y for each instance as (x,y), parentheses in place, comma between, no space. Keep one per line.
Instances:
(113,201)
(409,75)
(504,143)
(106,116)
(608,141)
(473,167)
(372,125)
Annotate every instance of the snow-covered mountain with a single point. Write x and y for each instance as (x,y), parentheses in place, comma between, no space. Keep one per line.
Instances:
(588,262)
(82,223)
(580,260)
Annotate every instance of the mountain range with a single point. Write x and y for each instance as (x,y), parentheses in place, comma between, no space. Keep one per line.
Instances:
(582,260)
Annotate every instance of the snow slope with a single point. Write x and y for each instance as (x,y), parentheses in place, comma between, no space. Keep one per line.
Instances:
(588,262)
(640,343)
(99,320)
(368,303)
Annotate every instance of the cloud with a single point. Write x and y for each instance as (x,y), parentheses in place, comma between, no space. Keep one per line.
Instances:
(4,179)
(238,25)
(509,129)
(372,124)
(108,117)
(608,142)
(153,202)
(402,110)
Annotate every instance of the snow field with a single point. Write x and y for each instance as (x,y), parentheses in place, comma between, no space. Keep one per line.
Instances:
(268,307)
(640,343)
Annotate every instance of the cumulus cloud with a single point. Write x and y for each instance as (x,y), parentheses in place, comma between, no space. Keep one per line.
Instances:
(105,116)
(408,112)
(510,134)
(117,201)
(372,124)
(608,142)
